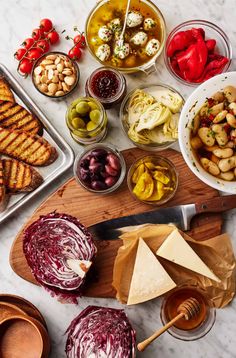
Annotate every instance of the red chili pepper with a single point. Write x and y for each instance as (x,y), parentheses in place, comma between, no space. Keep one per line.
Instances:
(210,44)
(211,117)
(180,42)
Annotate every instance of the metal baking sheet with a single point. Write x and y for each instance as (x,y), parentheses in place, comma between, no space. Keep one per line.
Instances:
(50,172)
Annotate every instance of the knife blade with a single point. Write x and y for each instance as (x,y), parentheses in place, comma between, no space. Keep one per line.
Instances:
(179,215)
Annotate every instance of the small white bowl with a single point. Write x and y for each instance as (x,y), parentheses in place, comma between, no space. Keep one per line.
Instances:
(191,107)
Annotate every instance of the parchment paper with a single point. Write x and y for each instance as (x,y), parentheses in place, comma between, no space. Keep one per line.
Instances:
(217,253)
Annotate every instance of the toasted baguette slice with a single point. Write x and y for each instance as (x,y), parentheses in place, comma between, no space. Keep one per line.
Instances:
(24,146)
(20,176)
(3,195)
(5,92)
(14,116)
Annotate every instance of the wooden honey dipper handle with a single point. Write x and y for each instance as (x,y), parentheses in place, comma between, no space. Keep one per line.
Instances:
(188,309)
(142,345)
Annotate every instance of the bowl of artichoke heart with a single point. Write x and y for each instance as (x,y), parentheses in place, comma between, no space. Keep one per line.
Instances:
(150,115)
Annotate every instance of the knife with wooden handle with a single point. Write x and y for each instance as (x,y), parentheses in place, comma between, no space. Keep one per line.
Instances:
(180,216)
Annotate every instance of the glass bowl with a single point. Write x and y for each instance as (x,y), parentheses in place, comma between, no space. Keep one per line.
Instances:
(193,104)
(223,45)
(73,65)
(152,147)
(110,149)
(121,6)
(83,136)
(105,78)
(194,329)
(170,172)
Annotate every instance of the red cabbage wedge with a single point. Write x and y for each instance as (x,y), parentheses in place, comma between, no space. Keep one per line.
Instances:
(100,332)
(59,251)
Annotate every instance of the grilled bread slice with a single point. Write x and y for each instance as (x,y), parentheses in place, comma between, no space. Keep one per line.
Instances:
(24,146)
(5,92)
(3,195)
(20,176)
(14,116)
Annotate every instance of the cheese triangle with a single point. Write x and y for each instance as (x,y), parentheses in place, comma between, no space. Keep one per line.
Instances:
(149,279)
(177,250)
(79,266)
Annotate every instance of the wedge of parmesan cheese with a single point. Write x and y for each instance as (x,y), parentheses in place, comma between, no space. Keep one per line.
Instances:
(149,279)
(80,267)
(177,250)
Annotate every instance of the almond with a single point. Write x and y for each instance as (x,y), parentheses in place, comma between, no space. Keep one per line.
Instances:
(52,88)
(44,79)
(59,93)
(38,70)
(51,67)
(43,88)
(57,60)
(67,72)
(68,64)
(55,79)
(69,80)
(50,74)
(60,67)
(46,62)
(37,79)
(51,57)
(65,87)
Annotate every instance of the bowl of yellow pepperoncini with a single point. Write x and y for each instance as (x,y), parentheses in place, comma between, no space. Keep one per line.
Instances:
(153,180)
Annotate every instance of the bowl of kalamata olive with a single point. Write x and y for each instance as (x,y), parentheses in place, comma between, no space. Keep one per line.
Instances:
(100,168)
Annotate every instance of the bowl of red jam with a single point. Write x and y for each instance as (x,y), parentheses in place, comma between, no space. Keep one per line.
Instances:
(106,85)
(197,50)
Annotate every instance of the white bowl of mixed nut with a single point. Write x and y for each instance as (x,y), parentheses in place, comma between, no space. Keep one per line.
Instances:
(55,75)
(207,132)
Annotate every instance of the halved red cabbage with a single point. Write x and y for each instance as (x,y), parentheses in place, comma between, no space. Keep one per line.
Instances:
(101,332)
(48,243)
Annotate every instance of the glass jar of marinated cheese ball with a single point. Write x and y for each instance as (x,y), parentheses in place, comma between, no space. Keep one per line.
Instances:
(87,120)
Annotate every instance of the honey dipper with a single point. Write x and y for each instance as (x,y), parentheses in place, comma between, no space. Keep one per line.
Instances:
(187,309)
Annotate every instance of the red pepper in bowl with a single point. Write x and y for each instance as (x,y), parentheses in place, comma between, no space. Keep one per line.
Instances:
(192,57)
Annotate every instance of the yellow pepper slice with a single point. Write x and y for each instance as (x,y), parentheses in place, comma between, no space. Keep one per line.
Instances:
(150,165)
(160,177)
(137,173)
(158,191)
(144,187)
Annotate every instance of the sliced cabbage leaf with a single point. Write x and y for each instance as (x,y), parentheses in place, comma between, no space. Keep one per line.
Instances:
(169,99)
(154,116)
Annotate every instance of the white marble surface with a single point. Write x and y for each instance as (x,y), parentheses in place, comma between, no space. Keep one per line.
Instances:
(17,19)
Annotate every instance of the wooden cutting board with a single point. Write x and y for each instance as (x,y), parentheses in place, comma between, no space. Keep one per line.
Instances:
(72,199)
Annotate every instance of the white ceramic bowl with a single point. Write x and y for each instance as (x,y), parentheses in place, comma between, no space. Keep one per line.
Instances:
(191,107)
